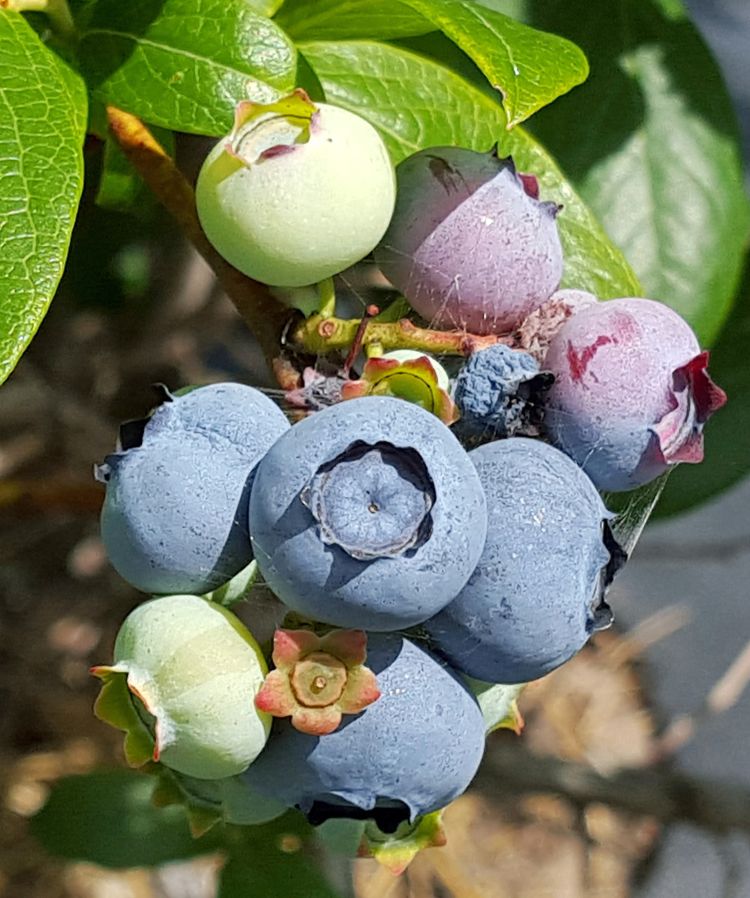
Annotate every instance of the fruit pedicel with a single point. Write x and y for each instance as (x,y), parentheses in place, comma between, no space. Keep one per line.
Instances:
(431,538)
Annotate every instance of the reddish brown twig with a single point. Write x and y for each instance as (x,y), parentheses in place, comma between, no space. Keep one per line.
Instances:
(264,315)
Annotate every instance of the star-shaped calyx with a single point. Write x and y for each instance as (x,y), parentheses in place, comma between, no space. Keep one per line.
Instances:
(317,679)
(115,706)
(395,851)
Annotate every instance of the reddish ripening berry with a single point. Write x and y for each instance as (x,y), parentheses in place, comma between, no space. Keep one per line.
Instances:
(631,392)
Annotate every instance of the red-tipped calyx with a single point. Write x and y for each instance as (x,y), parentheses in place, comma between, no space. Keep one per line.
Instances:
(695,397)
(317,679)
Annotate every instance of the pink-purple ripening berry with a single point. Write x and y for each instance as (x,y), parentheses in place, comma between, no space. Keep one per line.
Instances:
(470,245)
(631,392)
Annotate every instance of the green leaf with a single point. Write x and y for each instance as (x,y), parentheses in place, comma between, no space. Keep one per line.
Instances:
(120,187)
(268,872)
(265,7)
(529,67)
(184,64)
(727,435)
(633,509)
(42,126)
(438,47)
(516,9)
(270,861)
(498,703)
(108,819)
(236,589)
(341,836)
(650,141)
(324,20)
(416,103)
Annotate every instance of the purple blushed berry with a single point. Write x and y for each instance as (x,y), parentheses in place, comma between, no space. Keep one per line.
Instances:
(631,392)
(470,245)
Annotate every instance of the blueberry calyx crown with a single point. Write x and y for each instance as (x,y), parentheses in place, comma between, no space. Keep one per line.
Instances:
(316,679)
(695,397)
(372,501)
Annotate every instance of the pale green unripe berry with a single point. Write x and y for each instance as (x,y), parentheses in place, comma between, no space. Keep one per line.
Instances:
(195,670)
(297,192)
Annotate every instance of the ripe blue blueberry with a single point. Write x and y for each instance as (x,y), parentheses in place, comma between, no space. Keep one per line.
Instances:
(470,245)
(175,514)
(535,596)
(497,392)
(367,514)
(631,391)
(411,752)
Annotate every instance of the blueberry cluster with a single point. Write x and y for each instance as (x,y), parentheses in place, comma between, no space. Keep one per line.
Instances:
(426,536)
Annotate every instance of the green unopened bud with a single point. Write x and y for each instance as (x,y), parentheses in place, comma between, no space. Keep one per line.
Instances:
(406,374)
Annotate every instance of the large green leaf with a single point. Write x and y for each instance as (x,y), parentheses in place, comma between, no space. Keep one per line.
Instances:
(42,126)
(529,67)
(727,435)
(326,20)
(267,872)
(108,818)
(265,7)
(184,64)
(270,861)
(415,103)
(650,141)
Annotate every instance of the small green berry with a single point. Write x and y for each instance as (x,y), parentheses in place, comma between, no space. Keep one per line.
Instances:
(297,192)
(183,684)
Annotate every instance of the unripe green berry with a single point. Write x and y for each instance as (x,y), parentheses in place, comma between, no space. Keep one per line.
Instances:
(190,671)
(297,192)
